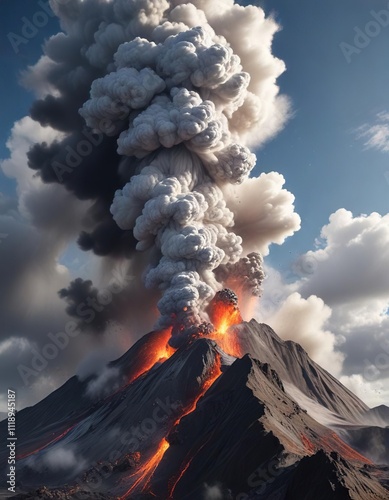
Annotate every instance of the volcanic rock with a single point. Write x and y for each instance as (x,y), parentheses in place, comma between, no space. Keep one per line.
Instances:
(272,424)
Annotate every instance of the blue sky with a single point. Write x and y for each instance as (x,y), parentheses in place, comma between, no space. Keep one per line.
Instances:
(325,165)
(15,101)
(339,98)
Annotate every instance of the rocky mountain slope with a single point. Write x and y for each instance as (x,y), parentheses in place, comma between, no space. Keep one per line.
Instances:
(196,422)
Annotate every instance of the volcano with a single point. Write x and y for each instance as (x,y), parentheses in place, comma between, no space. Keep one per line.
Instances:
(198,422)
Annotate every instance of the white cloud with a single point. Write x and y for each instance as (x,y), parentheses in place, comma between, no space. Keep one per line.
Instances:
(264,211)
(339,307)
(304,321)
(275,292)
(37,79)
(353,264)
(372,393)
(25,133)
(376,136)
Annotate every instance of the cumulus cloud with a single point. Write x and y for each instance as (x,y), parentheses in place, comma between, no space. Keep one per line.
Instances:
(352,277)
(372,393)
(353,263)
(365,345)
(341,300)
(305,321)
(263,211)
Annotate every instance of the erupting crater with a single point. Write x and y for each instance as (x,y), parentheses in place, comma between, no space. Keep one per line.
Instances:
(224,312)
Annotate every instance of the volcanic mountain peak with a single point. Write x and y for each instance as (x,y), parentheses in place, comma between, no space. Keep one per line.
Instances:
(181,421)
(294,366)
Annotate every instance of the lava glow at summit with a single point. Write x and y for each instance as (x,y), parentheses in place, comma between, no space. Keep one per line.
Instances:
(224,313)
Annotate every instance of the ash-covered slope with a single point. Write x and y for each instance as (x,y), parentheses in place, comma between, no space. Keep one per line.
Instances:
(294,366)
(133,419)
(365,429)
(70,403)
(244,422)
(181,424)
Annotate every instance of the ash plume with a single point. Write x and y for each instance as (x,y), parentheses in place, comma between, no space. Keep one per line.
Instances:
(171,96)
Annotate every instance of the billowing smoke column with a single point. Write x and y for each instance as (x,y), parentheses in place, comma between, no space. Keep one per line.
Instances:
(177,92)
(181,103)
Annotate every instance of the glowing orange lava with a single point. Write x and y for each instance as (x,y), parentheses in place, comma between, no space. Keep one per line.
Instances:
(148,469)
(176,481)
(155,350)
(223,316)
(212,377)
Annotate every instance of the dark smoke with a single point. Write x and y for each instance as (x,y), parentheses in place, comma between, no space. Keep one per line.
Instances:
(172,94)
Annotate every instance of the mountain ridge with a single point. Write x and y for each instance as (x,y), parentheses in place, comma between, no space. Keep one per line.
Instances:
(199,418)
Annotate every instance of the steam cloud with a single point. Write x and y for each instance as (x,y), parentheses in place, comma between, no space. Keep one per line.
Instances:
(175,94)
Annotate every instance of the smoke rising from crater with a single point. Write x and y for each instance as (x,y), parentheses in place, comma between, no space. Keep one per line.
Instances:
(177,93)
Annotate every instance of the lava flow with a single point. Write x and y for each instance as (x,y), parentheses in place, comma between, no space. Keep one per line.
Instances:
(147,470)
(156,350)
(224,313)
(213,376)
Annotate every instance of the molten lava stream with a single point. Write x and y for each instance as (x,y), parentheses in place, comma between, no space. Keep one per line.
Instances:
(155,350)
(147,470)
(213,376)
(223,316)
